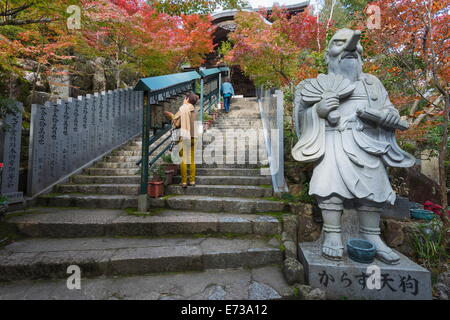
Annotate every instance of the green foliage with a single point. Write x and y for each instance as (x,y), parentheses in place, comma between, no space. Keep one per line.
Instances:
(304,195)
(7,106)
(429,243)
(225,48)
(157,173)
(434,136)
(177,7)
(352,6)
(408,147)
(206,117)
(342,14)
(319,61)
(8,233)
(167,158)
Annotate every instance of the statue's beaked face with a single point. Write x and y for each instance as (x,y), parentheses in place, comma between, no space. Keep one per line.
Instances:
(344,54)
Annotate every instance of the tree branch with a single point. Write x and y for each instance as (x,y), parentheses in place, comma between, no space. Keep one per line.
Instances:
(14,11)
(25,22)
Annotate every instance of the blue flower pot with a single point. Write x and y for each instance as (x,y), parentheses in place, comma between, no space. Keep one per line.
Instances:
(422,214)
(360,250)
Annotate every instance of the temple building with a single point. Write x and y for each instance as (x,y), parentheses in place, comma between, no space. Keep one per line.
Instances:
(225,24)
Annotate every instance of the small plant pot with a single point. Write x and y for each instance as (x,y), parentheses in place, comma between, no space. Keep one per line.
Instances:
(171,166)
(360,250)
(169,177)
(422,214)
(155,189)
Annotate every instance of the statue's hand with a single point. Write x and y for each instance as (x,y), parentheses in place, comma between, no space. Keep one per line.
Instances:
(390,118)
(328,103)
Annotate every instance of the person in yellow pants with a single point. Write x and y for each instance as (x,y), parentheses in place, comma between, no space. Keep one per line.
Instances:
(184,119)
(190,158)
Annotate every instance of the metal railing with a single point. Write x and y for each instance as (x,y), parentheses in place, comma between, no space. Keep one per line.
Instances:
(209,89)
(71,134)
(272,114)
(158,91)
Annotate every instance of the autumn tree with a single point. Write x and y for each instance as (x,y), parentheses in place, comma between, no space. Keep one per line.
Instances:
(33,40)
(414,39)
(179,7)
(135,36)
(278,53)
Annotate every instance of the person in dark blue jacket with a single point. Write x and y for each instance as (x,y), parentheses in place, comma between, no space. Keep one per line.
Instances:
(227,92)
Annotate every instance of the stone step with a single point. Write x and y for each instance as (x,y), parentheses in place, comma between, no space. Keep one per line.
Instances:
(237,124)
(122,153)
(137,143)
(223,204)
(244,165)
(230,180)
(89,201)
(221,191)
(111,172)
(227,126)
(78,223)
(215,152)
(117,165)
(230,172)
(224,147)
(112,158)
(262,283)
(50,258)
(111,189)
(237,161)
(133,189)
(130,148)
(176,202)
(85,179)
(237,119)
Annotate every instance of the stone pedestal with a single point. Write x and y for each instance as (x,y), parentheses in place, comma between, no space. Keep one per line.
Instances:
(353,280)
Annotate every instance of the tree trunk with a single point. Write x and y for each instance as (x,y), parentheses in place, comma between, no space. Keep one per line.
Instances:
(35,80)
(443,171)
(443,154)
(118,78)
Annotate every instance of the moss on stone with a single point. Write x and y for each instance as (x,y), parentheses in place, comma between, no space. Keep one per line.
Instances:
(8,233)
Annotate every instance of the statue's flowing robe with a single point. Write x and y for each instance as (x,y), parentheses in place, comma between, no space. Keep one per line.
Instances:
(351,158)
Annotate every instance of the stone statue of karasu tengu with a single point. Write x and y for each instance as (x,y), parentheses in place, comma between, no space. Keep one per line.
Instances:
(346,126)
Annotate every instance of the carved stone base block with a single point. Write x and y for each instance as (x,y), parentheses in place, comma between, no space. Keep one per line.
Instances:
(352,280)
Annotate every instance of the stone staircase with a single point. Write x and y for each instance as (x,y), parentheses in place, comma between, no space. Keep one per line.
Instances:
(228,223)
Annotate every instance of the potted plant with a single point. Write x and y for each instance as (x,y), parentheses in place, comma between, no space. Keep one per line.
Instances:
(168,163)
(156,184)
(214,115)
(207,119)
(169,176)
